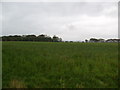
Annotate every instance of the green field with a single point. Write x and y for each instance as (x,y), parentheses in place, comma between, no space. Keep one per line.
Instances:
(59,65)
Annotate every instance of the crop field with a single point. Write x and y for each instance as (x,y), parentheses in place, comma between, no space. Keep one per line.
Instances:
(59,65)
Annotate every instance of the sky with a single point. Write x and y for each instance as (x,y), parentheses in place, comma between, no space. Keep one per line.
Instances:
(74,21)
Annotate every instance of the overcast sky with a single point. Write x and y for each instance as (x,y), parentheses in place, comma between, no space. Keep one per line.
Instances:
(75,21)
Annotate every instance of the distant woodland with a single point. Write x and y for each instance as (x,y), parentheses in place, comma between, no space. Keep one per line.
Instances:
(43,38)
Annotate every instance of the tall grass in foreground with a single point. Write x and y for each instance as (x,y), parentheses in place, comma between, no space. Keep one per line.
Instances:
(59,65)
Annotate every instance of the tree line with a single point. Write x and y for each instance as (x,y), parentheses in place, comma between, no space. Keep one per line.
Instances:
(102,40)
(45,38)
(42,38)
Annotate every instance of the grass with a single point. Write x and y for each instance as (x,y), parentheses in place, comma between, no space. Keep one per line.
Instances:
(59,65)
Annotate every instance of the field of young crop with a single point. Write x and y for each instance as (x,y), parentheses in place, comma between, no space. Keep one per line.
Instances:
(59,65)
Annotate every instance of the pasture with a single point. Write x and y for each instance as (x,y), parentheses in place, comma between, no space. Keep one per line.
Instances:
(59,65)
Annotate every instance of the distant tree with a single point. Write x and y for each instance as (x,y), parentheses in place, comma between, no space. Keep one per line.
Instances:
(101,40)
(49,39)
(31,38)
(66,41)
(94,40)
(0,38)
(55,39)
(60,39)
(86,40)
(11,38)
(42,38)
(71,41)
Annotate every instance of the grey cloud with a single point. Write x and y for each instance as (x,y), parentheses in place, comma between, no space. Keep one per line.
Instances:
(71,21)
(0,19)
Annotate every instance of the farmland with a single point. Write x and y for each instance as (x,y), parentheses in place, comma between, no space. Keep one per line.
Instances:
(59,65)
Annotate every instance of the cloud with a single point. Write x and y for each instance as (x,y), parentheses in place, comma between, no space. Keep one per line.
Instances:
(0,18)
(59,0)
(71,21)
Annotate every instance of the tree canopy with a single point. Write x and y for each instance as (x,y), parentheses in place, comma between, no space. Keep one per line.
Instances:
(43,38)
